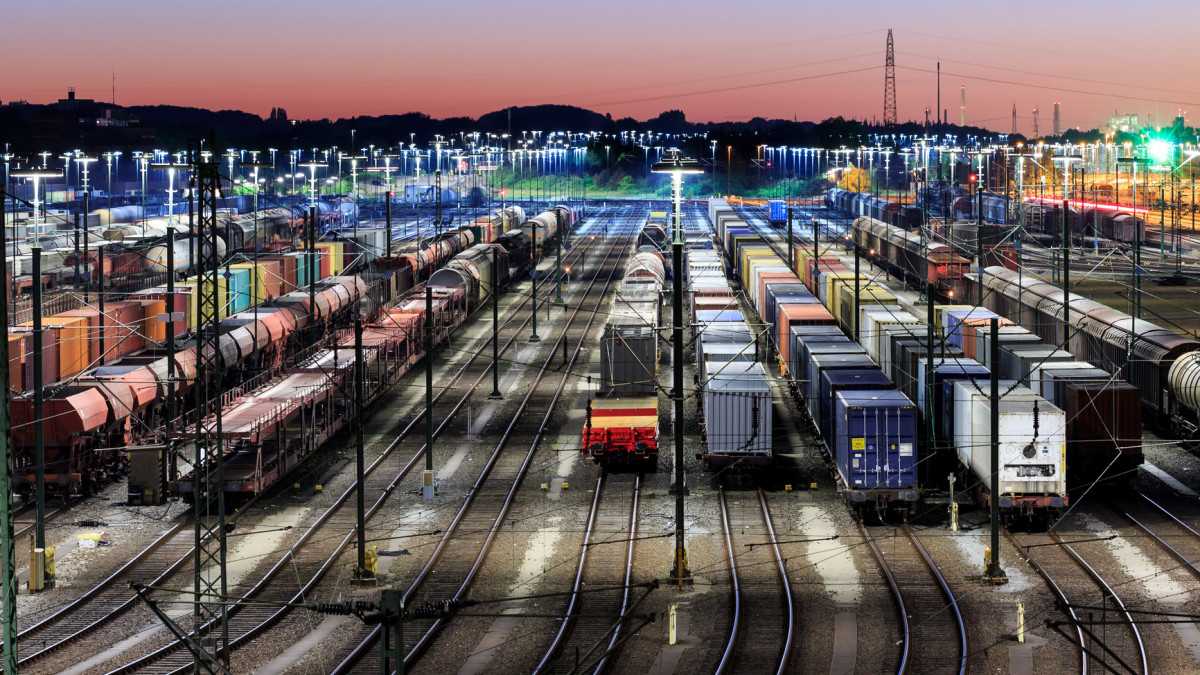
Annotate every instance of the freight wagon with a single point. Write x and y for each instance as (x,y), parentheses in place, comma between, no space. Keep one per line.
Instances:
(629,358)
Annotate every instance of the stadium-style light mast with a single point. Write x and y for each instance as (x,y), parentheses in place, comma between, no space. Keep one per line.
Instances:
(677,165)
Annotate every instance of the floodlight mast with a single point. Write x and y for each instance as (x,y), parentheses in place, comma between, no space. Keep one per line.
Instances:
(677,165)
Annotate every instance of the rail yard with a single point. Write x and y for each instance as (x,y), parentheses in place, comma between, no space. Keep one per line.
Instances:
(309,438)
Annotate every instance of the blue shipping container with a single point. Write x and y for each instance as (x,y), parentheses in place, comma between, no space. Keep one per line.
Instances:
(777,209)
(850,379)
(812,334)
(876,440)
(239,290)
(821,360)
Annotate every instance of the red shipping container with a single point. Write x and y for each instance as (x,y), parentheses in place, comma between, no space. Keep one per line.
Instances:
(288,275)
(129,319)
(17,345)
(808,314)
(772,277)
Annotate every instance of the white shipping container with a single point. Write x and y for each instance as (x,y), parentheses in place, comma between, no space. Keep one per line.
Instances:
(883,341)
(1031,462)
(737,410)
(872,327)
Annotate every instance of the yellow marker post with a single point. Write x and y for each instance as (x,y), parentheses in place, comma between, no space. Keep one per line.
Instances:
(672,637)
(1020,623)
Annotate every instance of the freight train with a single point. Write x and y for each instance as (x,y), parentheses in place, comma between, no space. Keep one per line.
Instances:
(867,425)
(736,397)
(1086,219)
(925,263)
(862,204)
(867,400)
(275,425)
(132,250)
(1160,363)
(621,430)
(1043,216)
(266,317)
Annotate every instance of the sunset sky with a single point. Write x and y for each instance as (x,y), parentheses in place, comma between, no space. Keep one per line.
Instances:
(714,60)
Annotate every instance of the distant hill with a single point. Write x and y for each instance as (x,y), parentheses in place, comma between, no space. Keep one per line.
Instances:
(35,127)
(544,118)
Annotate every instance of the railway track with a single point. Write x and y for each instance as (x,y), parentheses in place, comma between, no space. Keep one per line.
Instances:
(457,558)
(933,638)
(591,629)
(1059,565)
(764,613)
(1173,535)
(94,614)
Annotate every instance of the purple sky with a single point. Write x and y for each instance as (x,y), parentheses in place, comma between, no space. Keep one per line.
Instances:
(713,60)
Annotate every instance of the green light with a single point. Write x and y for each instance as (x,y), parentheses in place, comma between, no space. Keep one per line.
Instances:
(1160,151)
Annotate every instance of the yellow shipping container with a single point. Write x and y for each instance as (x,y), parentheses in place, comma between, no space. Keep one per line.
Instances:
(830,280)
(333,250)
(196,289)
(841,287)
(756,259)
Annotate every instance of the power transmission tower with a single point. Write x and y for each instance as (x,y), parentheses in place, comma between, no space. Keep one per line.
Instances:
(889,84)
(210,584)
(1014,124)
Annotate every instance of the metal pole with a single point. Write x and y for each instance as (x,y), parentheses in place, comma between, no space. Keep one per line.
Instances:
(979,246)
(100,297)
(791,244)
(391,606)
(388,218)
(558,271)
(1162,222)
(77,279)
(495,395)
(994,570)
(170,311)
(39,439)
(857,288)
(427,478)
(8,566)
(1066,276)
(681,570)
(314,268)
(533,288)
(816,250)
(86,209)
(360,372)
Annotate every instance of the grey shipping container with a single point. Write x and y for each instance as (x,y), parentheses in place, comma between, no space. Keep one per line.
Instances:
(738,413)
(628,360)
